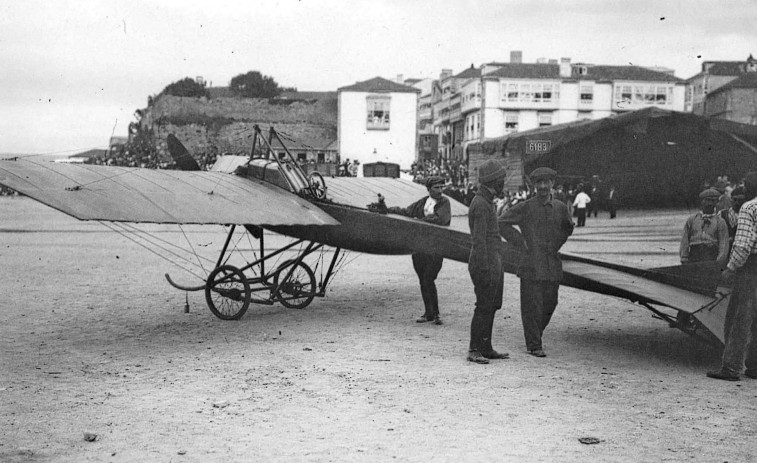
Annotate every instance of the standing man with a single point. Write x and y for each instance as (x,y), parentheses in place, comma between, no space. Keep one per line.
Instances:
(705,234)
(580,203)
(731,215)
(545,225)
(612,201)
(436,209)
(485,261)
(741,317)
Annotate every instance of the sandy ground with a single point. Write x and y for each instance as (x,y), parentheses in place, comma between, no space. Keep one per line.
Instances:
(94,340)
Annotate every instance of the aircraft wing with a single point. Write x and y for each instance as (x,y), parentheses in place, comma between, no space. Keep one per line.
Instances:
(123,194)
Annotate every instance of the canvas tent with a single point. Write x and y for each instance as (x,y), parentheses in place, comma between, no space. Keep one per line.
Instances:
(654,157)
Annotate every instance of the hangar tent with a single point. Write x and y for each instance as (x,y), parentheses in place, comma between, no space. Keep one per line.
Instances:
(654,157)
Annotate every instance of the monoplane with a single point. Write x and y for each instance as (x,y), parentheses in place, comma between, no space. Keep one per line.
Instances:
(268,190)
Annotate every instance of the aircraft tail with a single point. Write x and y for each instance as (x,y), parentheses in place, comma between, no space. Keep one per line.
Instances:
(180,155)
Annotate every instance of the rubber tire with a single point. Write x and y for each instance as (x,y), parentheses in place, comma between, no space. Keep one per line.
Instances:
(234,276)
(283,270)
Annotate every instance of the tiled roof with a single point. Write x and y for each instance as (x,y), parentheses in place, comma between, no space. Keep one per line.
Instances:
(378,85)
(748,80)
(527,71)
(626,73)
(469,73)
(552,71)
(726,68)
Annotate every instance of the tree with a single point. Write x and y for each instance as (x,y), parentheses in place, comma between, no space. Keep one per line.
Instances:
(186,87)
(255,85)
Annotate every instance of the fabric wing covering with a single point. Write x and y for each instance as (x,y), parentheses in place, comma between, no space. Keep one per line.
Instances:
(361,191)
(122,194)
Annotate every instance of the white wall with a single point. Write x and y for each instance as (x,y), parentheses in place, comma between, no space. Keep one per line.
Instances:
(396,145)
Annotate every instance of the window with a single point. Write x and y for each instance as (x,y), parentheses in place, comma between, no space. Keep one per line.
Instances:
(378,112)
(529,92)
(644,95)
(511,122)
(545,119)
(586,94)
(302,157)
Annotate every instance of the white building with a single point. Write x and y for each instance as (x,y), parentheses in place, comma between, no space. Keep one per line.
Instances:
(503,98)
(377,122)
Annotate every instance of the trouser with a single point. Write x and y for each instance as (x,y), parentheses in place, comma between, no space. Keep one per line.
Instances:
(488,290)
(427,267)
(702,252)
(741,325)
(538,300)
(581,212)
(613,210)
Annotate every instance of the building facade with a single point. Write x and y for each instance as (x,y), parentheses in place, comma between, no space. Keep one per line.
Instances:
(502,98)
(735,101)
(377,122)
(714,75)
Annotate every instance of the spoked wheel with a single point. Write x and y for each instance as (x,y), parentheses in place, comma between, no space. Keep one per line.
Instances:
(317,185)
(227,293)
(297,291)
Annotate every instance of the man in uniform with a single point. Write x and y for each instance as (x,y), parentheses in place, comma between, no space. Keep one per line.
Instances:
(705,234)
(741,316)
(545,225)
(485,261)
(436,209)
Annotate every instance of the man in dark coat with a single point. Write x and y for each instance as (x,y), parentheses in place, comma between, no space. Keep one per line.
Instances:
(545,225)
(485,261)
(435,209)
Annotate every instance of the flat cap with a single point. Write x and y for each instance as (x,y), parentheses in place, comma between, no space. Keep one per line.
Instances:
(542,173)
(490,171)
(709,193)
(434,180)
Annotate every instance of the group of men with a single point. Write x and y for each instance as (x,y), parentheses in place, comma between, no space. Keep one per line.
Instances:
(545,225)
(728,237)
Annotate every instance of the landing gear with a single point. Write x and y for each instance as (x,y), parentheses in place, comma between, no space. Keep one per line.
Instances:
(295,287)
(227,292)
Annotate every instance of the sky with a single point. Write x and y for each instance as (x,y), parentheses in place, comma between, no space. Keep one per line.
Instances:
(74,72)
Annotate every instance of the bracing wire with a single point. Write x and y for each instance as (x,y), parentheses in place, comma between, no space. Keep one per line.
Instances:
(137,231)
(199,261)
(127,234)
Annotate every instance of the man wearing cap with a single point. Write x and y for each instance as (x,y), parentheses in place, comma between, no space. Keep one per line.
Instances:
(436,209)
(485,261)
(741,316)
(545,225)
(705,234)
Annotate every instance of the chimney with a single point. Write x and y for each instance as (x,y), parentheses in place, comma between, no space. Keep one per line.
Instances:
(516,56)
(541,60)
(400,79)
(552,61)
(565,67)
(445,74)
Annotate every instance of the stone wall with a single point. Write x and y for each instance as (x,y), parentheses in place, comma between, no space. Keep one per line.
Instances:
(225,125)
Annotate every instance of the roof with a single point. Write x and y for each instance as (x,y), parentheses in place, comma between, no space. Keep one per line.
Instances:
(570,131)
(378,85)
(748,80)
(469,73)
(552,71)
